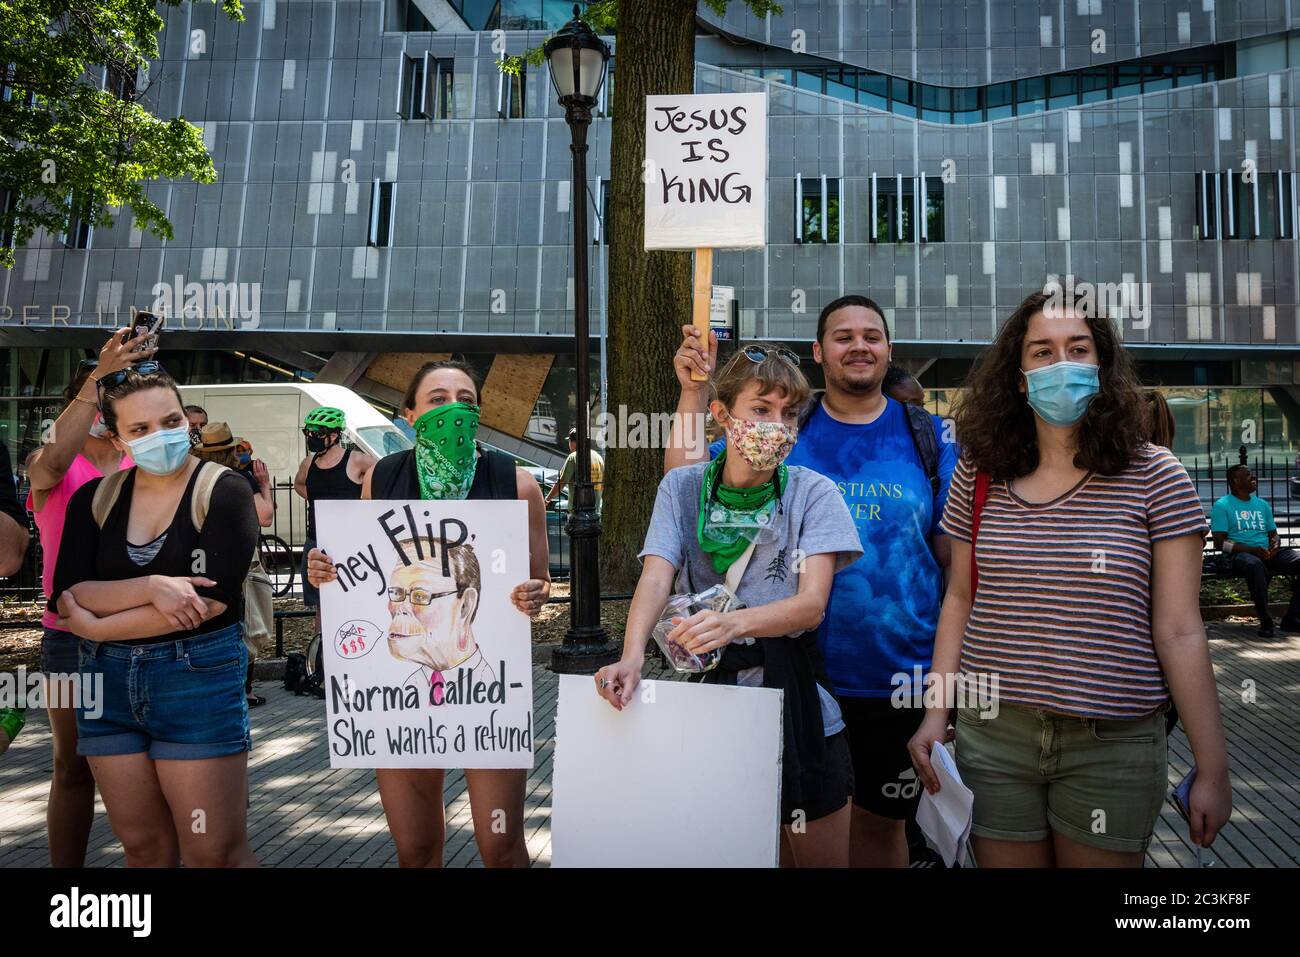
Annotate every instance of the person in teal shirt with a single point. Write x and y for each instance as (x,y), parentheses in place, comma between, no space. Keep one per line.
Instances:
(1244,531)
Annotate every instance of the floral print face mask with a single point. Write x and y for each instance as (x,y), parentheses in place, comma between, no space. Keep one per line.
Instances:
(764,445)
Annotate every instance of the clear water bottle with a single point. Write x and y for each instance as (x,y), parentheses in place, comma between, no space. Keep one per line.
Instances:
(11,722)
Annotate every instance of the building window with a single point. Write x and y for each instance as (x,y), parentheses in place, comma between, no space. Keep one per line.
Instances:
(8,204)
(411,97)
(410,19)
(80,223)
(1284,198)
(931,187)
(893,199)
(441,76)
(605,99)
(1208,196)
(120,82)
(1234,200)
(602,234)
(817,209)
(510,92)
(426,88)
(382,209)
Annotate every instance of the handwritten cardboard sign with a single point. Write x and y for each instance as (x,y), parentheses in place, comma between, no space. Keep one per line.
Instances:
(706,171)
(427,662)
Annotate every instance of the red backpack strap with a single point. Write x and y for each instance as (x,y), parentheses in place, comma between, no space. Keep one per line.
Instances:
(982,481)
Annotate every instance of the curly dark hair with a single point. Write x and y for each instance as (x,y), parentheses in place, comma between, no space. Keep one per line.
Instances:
(995,424)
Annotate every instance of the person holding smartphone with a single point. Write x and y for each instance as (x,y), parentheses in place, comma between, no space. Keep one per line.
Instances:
(154,589)
(79,449)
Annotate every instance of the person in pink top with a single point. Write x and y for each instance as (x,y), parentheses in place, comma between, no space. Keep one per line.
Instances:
(78,451)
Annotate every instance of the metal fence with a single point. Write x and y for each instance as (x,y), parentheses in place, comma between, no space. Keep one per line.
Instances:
(1279,485)
(281,547)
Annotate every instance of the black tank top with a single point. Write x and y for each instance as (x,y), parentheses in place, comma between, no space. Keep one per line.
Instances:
(395,477)
(331,483)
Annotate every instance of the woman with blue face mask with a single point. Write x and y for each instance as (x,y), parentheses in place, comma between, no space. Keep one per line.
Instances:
(1072,615)
(151,582)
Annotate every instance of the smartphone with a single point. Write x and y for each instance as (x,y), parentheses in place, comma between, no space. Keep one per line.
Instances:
(1181,799)
(145,327)
(1182,796)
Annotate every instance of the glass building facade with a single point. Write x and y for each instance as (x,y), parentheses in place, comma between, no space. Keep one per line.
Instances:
(381,186)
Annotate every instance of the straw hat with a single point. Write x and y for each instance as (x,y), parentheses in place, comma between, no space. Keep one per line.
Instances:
(215,437)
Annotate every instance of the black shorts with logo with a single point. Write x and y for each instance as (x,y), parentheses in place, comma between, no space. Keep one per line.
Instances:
(884,781)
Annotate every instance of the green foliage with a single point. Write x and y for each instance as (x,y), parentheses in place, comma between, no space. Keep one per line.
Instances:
(602,17)
(61,136)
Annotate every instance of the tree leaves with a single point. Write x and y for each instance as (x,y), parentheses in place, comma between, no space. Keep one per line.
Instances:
(77,126)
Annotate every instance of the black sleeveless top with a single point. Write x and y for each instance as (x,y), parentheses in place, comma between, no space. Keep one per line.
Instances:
(394,477)
(331,483)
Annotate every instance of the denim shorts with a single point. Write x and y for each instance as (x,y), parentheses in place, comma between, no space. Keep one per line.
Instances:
(310,594)
(1098,781)
(174,700)
(60,654)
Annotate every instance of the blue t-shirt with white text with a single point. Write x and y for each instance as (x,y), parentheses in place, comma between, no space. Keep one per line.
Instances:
(884,608)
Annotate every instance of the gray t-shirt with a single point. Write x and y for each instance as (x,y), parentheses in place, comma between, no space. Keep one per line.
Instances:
(812,520)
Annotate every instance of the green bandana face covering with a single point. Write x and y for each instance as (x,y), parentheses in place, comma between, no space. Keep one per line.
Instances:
(731,518)
(445,457)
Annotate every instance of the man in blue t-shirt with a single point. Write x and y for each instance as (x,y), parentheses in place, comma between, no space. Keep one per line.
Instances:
(1243,529)
(878,634)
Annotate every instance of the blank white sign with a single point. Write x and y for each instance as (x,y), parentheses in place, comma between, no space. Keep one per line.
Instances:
(687,775)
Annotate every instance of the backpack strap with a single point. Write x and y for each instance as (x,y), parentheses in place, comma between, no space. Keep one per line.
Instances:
(982,482)
(106,495)
(209,474)
(927,446)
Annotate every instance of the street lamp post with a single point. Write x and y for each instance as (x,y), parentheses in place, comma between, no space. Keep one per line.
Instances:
(577,58)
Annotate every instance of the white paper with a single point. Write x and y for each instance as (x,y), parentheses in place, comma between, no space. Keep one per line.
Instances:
(446,684)
(687,775)
(945,818)
(705,171)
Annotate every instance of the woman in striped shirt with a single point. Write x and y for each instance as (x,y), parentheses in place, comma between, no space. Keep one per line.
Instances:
(1060,645)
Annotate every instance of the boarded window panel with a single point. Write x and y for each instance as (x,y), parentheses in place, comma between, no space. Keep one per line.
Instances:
(511,390)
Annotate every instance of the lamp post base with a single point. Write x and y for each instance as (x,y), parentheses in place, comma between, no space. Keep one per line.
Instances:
(583,652)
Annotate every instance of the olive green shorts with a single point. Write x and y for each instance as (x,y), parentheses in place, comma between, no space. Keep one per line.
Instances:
(1097,781)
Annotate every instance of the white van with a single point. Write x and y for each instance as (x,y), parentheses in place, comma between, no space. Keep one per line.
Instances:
(270,416)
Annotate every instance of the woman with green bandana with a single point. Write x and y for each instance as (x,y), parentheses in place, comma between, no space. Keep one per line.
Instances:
(442,405)
(775,535)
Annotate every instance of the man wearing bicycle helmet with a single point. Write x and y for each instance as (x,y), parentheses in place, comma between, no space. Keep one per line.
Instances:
(328,472)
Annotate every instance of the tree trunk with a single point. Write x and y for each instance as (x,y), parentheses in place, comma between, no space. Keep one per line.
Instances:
(649,292)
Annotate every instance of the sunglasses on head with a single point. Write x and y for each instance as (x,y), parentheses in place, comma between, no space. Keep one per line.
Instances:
(106,383)
(759,353)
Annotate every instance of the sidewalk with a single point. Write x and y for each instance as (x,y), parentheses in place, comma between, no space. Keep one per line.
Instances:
(305,815)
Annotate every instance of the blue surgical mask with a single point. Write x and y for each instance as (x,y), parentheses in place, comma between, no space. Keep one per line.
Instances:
(162,452)
(245,458)
(1060,393)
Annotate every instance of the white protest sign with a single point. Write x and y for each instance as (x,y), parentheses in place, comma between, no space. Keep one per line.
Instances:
(428,664)
(687,775)
(706,171)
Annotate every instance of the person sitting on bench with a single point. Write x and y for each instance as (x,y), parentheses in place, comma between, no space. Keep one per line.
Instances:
(1243,529)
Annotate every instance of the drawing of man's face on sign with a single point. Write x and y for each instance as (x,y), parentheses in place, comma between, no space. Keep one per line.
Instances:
(433,603)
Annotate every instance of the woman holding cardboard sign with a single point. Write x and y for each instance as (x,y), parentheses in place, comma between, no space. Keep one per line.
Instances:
(772,536)
(442,404)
